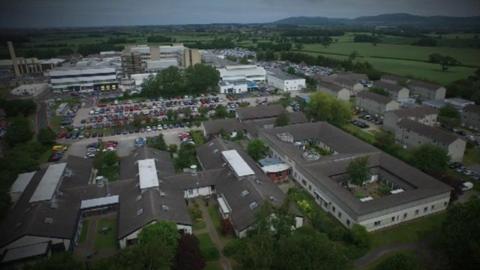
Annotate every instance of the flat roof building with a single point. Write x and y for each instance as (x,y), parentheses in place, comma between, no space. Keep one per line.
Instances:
(243,72)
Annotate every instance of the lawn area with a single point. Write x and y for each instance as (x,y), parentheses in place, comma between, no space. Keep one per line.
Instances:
(385,257)
(106,239)
(83,233)
(214,215)
(408,232)
(359,133)
(197,137)
(472,156)
(215,265)
(207,248)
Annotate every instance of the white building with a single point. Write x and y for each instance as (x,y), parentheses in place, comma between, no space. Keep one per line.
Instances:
(285,82)
(233,87)
(243,72)
(83,79)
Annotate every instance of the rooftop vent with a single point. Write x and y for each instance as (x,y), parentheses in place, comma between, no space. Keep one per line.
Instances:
(165,207)
(139,211)
(139,197)
(253,205)
(162,193)
(245,193)
(48,220)
(366,199)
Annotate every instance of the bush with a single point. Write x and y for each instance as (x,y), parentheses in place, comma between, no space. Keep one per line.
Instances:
(232,247)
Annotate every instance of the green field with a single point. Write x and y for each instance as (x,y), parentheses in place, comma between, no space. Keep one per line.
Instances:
(106,239)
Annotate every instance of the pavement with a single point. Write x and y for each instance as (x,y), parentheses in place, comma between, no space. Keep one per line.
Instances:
(125,142)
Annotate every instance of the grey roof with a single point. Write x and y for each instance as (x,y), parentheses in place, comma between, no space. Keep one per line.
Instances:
(129,167)
(423,84)
(213,127)
(472,109)
(260,112)
(324,171)
(417,112)
(330,86)
(390,87)
(374,97)
(433,133)
(283,75)
(396,78)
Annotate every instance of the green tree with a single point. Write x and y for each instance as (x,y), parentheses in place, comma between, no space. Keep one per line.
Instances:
(357,170)
(449,116)
(323,107)
(46,136)
(189,256)
(461,235)
(201,78)
(186,157)
(257,149)
(19,131)
(282,120)
(291,70)
(385,140)
(307,249)
(158,142)
(399,261)
(107,164)
(445,61)
(221,112)
(374,75)
(430,158)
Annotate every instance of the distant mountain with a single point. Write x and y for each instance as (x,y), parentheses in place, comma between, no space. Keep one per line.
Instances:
(395,19)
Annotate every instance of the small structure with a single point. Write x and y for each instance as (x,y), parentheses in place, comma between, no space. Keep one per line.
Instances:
(459,103)
(275,169)
(471,117)
(33,89)
(426,91)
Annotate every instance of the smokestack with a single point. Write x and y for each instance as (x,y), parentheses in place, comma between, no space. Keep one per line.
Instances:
(11,50)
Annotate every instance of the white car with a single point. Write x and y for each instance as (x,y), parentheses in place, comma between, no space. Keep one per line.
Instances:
(159,127)
(467,186)
(149,129)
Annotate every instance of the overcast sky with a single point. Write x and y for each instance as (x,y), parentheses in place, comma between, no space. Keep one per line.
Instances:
(47,13)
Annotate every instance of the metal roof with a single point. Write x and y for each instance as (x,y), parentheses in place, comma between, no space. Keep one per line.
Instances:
(21,182)
(148,173)
(237,163)
(49,183)
(25,252)
(99,202)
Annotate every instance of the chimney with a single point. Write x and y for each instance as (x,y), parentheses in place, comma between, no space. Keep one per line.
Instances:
(11,50)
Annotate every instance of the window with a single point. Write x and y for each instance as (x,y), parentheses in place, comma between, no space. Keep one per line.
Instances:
(445,204)
(348,222)
(304,182)
(393,219)
(432,207)
(405,215)
(377,223)
(339,215)
(333,209)
(325,204)
(416,212)
(425,209)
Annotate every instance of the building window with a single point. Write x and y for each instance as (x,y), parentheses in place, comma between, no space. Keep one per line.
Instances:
(304,182)
(377,223)
(325,204)
(339,215)
(348,222)
(432,207)
(393,219)
(405,215)
(425,209)
(333,209)
(445,204)
(416,212)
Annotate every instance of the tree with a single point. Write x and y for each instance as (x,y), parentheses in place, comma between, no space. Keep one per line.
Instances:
(323,107)
(353,55)
(307,249)
(201,78)
(461,232)
(107,164)
(221,112)
(282,120)
(374,75)
(449,116)
(257,149)
(357,170)
(291,70)
(399,261)
(359,238)
(46,136)
(186,157)
(19,131)
(158,142)
(430,158)
(445,61)
(157,245)
(298,46)
(189,256)
(385,140)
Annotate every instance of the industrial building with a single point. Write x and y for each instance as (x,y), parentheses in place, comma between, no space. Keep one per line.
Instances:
(87,78)
(407,193)
(285,82)
(243,72)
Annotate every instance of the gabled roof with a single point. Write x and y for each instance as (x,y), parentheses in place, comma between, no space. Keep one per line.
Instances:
(390,87)
(374,97)
(260,112)
(417,112)
(433,133)
(423,84)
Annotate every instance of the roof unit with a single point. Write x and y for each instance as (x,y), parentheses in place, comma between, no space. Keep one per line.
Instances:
(147,173)
(49,183)
(237,163)
(366,199)
(99,202)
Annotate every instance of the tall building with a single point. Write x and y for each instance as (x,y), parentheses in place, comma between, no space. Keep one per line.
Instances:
(191,57)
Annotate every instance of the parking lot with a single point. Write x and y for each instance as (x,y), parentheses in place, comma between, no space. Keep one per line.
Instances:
(125,142)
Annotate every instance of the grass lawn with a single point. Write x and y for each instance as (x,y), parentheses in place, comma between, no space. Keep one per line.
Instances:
(359,133)
(472,156)
(197,137)
(214,265)
(385,257)
(214,215)
(83,233)
(108,239)
(408,232)
(208,249)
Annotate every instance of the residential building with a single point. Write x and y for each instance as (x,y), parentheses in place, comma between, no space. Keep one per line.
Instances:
(411,133)
(422,114)
(426,91)
(375,103)
(352,81)
(411,193)
(459,103)
(471,117)
(243,72)
(259,112)
(285,82)
(335,90)
(396,91)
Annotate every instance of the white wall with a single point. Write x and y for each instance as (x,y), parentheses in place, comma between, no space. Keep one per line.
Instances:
(195,192)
